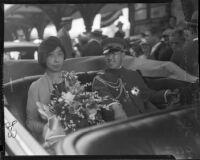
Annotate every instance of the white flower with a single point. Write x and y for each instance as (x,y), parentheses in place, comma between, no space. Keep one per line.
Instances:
(92,116)
(68,97)
(60,100)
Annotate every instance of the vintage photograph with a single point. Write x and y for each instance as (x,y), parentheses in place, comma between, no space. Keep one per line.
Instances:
(101,79)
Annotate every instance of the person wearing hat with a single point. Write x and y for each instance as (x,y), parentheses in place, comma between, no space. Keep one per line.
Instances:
(120,33)
(187,58)
(125,86)
(193,26)
(93,47)
(63,35)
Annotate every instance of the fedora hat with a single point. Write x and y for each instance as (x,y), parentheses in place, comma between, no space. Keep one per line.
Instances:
(97,32)
(65,20)
(119,24)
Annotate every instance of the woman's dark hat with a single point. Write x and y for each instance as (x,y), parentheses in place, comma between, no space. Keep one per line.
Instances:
(65,20)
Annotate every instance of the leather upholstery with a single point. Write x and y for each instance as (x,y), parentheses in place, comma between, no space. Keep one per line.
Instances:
(173,132)
(22,68)
(16,91)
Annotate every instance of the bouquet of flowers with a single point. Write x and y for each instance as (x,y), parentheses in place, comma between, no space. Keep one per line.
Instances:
(73,106)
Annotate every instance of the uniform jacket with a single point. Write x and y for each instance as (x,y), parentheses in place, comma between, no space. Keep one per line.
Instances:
(132,104)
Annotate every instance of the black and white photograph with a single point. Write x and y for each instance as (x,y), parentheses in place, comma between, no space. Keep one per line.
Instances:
(101,79)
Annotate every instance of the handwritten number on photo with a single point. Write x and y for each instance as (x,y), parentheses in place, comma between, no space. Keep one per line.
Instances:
(12,133)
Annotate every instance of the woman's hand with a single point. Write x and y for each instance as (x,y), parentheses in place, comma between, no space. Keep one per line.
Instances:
(44,111)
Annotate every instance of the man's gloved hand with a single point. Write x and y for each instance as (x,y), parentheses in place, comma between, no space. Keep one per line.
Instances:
(172,97)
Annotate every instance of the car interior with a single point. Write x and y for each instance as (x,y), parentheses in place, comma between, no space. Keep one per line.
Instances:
(172,132)
(125,137)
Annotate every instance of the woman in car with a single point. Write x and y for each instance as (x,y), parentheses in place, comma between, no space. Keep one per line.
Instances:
(51,57)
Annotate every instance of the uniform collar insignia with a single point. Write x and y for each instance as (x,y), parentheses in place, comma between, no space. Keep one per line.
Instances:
(135,91)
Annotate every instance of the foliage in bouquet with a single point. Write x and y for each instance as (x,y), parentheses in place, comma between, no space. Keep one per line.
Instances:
(73,106)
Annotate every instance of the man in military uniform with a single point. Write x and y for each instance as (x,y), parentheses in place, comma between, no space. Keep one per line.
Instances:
(126,86)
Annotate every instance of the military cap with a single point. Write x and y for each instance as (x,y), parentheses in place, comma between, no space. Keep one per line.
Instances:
(110,45)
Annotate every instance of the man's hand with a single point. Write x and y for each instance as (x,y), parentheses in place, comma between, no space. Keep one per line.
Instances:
(172,97)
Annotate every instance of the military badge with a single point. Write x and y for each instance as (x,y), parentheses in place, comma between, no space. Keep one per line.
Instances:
(135,91)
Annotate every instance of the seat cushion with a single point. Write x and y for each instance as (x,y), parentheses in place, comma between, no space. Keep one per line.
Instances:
(16,93)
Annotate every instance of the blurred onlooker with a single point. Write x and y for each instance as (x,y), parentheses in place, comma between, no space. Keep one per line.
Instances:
(153,39)
(172,22)
(20,35)
(142,35)
(192,27)
(136,49)
(93,47)
(120,33)
(63,35)
(187,58)
(162,50)
(145,47)
(177,40)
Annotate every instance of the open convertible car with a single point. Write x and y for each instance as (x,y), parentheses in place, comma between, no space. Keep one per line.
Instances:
(173,130)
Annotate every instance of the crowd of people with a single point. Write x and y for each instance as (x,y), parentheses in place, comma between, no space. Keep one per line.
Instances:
(178,44)
(168,44)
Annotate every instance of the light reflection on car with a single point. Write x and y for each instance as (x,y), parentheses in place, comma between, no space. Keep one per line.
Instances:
(20,50)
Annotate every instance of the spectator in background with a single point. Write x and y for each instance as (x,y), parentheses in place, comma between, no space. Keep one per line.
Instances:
(20,35)
(177,40)
(165,48)
(140,49)
(63,35)
(187,58)
(93,47)
(146,48)
(162,50)
(120,33)
(192,27)
(153,39)
(172,22)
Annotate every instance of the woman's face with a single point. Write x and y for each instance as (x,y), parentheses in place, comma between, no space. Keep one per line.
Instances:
(55,60)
